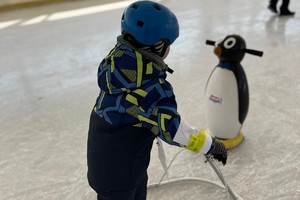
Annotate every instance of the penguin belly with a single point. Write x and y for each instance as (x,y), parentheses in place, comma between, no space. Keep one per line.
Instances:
(222,104)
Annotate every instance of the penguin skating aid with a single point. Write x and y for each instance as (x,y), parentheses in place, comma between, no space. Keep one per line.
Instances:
(227,102)
(227,93)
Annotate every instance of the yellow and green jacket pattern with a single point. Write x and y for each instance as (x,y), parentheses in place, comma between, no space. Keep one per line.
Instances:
(134,91)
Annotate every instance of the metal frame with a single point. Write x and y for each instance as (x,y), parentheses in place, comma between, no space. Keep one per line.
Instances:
(230,194)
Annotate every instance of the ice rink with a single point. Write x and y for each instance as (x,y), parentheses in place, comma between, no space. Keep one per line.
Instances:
(48,75)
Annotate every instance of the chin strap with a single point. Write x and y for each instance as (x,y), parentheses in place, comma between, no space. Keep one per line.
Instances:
(169,69)
(152,56)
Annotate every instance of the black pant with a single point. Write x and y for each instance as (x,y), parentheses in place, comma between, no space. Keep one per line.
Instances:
(284,5)
(137,193)
(118,158)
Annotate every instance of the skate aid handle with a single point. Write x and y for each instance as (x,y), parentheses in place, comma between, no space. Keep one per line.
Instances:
(250,51)
(218,151)
(253,52)
(210,42)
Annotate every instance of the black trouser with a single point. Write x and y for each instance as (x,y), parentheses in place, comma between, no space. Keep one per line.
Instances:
(137,193)
(118,158)
(284,5)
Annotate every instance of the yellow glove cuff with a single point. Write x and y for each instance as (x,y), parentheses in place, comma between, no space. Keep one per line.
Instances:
(196,141)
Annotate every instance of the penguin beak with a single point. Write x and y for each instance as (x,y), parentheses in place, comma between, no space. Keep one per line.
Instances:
(218,51)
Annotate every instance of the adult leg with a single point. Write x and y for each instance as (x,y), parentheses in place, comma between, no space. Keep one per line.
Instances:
(285,4)
(272,5)
(284,10)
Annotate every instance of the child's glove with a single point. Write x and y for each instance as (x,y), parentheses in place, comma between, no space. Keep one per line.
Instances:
(218,151)
(200,143)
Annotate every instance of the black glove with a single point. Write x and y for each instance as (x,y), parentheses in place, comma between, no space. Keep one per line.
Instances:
(218,151)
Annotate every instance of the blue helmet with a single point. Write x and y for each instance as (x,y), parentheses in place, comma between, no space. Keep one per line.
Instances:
(149,22)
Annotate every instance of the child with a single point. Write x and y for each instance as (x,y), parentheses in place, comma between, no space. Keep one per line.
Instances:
(137,104)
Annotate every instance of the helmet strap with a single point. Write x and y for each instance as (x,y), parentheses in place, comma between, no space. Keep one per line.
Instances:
(159,48)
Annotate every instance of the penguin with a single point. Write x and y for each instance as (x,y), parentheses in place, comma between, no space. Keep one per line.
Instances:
(227,92)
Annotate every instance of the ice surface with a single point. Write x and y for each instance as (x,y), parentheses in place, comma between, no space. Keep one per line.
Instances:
(48,86)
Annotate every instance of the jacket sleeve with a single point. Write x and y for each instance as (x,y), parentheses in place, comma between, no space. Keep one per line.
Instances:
(158,112)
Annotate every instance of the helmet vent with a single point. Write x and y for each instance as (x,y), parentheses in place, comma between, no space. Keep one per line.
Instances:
(140,23)
(134,6)
(156,7)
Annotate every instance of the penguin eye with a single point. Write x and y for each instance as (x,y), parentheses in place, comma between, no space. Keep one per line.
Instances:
(229,43)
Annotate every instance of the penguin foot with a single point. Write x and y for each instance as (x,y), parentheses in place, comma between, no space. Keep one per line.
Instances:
(233,142)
